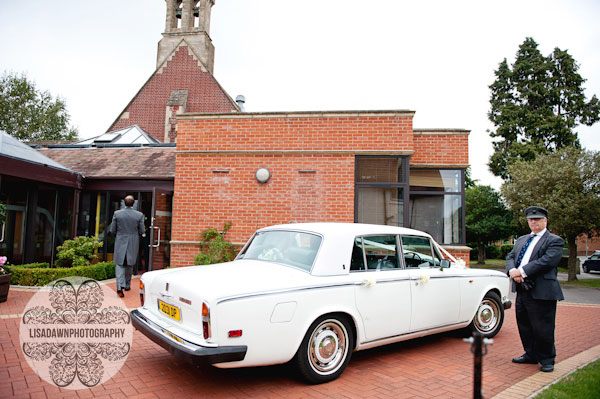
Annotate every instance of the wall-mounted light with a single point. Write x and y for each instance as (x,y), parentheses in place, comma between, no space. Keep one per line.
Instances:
(262,175)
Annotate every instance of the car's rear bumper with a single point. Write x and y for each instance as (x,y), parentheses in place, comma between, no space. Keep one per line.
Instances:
(507,304)
(188,351)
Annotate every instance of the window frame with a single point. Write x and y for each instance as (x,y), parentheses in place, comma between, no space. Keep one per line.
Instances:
(461,193)
(404,185)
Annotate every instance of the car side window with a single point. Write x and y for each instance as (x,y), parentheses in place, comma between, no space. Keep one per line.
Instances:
(358,258)
(594,257)
(417,252)
(381,252)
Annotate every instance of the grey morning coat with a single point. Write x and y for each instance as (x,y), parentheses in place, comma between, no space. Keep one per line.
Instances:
(128,225)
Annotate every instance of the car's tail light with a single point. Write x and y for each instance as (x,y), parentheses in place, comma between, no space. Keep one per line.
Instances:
(206,321)
(141,293)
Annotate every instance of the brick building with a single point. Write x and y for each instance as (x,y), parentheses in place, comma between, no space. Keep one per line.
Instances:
(199,161)
(368,166)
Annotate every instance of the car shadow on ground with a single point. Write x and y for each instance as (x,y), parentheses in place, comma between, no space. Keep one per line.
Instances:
(287,375)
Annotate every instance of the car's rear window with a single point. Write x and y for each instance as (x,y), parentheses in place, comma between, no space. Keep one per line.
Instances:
(293,248)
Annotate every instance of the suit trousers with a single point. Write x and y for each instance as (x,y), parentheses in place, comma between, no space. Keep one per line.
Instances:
(536,321)
(123,274)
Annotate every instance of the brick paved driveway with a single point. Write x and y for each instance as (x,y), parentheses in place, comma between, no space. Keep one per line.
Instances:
(433,367)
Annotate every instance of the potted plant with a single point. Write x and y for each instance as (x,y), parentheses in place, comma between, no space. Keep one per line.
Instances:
(4,280)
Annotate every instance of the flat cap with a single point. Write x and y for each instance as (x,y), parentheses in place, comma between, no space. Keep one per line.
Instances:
(536,212)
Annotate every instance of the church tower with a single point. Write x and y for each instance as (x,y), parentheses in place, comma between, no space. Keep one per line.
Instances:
(189,20)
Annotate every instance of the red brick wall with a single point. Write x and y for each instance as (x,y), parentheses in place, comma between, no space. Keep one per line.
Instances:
(440,148)
(311,158)
(587,245)
(296,133)
(182,72)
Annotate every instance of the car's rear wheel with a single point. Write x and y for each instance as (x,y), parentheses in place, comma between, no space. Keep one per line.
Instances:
(326,349)
(489,316)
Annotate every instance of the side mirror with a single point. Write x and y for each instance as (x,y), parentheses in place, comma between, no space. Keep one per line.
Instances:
(445,263)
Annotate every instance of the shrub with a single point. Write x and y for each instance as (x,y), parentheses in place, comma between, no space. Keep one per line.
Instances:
(40,265)
(505,250)
(215,248)
(77,252)
(492,252)
(40,276)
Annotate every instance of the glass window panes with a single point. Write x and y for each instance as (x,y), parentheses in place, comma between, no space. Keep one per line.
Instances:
(381,252)
(379,170)
(435,180)
(417,252)
(288,247)
(358,257)
(438,215)
(380,205)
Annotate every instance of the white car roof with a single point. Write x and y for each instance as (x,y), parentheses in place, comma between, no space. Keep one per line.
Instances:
(347,229)
(338,238)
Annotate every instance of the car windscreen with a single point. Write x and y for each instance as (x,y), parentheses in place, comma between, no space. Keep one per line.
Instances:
(293,248)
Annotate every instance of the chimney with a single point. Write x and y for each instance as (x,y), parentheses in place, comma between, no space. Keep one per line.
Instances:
(240,100)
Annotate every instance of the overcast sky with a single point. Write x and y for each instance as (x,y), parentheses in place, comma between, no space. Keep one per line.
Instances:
(433,57)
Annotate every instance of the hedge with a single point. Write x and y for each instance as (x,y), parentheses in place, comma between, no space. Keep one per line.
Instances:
(493,251)
(39,276)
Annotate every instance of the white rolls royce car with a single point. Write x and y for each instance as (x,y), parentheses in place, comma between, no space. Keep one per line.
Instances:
(314,293)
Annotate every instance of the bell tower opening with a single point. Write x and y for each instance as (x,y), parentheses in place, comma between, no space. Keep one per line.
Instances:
(189,20)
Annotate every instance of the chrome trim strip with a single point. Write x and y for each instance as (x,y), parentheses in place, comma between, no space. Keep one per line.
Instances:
(335,285)
(160,330)
(414,332)
(286,290)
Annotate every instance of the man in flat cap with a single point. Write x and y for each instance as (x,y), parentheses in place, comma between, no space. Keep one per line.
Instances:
(533,267)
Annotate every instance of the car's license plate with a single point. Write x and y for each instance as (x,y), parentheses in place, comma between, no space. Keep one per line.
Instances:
(170,310)
(176,338)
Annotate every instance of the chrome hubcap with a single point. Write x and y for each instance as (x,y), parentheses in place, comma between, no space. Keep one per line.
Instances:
(327,347)
(486,318)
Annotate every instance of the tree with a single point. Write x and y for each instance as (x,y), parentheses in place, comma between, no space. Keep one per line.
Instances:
(31,115)
(487,218)
(567,184)
(536,105)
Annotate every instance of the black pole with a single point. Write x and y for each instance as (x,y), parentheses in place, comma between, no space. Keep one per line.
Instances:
(477,367)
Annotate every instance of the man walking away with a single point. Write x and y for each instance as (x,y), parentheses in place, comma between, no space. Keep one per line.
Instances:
(128,225)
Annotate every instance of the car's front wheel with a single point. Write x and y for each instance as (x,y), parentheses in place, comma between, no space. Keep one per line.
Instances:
(489,316)
(325,350)
(586,269)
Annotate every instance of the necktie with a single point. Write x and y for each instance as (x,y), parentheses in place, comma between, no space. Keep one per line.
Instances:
(524,249)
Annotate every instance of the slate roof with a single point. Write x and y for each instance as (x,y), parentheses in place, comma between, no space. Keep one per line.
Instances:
(140,162)
(13,148)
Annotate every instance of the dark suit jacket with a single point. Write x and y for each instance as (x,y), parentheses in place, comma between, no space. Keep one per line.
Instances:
(128,225)
(542,267)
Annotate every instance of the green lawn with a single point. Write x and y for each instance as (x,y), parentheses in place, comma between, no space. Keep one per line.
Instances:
(589,282)
(584,383)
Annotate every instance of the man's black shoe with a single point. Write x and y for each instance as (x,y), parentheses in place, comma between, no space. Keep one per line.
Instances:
(546,368)
(524,359)
(126,289)
(120,293)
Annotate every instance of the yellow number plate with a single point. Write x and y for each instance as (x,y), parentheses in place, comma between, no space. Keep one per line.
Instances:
(176,338)
(171,311)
